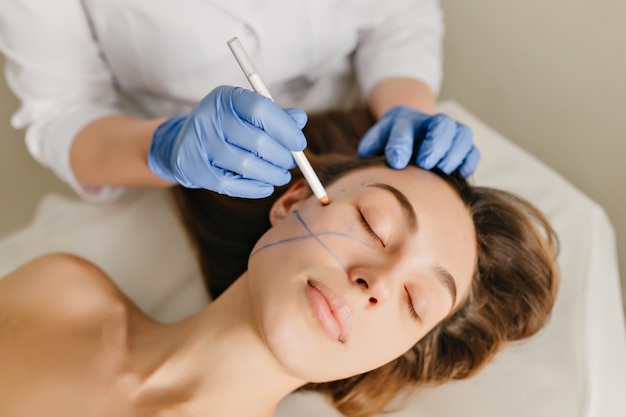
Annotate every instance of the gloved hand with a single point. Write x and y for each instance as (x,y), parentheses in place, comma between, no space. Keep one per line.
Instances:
(443,142)
(234,142)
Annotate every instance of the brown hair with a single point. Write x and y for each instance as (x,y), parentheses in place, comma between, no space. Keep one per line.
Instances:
(512,293)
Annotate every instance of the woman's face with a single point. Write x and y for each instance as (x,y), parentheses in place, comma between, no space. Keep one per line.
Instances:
(342,289)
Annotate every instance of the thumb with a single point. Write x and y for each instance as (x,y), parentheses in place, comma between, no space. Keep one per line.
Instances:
(373,142)
(400,144)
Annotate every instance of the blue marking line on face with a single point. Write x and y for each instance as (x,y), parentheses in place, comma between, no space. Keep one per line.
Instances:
(316,237)
(350,226)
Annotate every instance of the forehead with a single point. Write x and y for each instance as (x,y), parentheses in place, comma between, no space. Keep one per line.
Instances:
(413,182)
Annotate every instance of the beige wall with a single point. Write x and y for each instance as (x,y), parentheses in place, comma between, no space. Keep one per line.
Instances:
(550,76)
(22,180)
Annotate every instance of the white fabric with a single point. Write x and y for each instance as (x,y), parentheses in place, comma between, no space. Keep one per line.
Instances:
(575,367)
(71,61)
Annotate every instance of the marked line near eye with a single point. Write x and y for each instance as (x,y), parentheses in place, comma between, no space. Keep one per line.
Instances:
(316,237)
(291,239)
(350,226)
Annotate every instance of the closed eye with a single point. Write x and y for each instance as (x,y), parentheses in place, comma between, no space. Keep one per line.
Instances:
(411,307)
(369,229)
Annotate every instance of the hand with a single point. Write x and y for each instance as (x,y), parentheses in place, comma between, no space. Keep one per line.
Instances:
(234,142)
(442,142)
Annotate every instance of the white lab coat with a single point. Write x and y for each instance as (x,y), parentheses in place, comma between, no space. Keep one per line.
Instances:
(71,61)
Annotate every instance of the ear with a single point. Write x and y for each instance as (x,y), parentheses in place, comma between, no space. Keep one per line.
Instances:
(285,203)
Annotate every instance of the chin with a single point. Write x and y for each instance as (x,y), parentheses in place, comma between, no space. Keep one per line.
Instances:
(304,352)
(292,344)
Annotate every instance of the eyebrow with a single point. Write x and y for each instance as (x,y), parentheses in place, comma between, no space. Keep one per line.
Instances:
(447,280)
(442,274)
(405,204)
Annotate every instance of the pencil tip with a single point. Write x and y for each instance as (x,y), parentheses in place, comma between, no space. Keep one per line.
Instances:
(324,200)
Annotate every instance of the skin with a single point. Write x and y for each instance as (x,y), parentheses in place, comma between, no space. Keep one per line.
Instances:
(91,352)
(401,91)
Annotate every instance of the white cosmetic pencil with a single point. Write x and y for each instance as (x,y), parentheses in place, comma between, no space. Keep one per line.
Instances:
(258,86)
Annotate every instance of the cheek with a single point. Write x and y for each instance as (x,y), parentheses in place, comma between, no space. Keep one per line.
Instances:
(383,338)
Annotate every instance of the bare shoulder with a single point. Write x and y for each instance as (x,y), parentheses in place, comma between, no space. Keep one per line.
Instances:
(64,329)
(59,284)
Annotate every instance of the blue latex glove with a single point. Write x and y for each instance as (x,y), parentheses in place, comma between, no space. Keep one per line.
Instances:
(234,142)
(443,142)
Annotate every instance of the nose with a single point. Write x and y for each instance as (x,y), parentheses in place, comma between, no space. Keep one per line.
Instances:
(378,289)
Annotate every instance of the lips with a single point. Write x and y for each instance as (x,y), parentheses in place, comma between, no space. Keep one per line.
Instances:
(331,311)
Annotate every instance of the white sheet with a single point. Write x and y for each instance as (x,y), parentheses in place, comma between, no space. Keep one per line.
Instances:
(575,367)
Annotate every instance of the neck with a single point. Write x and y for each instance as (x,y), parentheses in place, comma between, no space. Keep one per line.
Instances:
(214,360)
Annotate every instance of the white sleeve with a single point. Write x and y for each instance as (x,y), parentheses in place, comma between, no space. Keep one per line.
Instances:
(55,68)
(402,38)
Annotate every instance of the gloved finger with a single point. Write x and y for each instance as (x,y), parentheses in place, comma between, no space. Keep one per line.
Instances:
(160,148)
(437,141)
(257,142)
(245,188)
(471,162)
(399,147)
(229,183)
(265,114)
(249,166)
(373,142)
(298,115)
(461,147)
